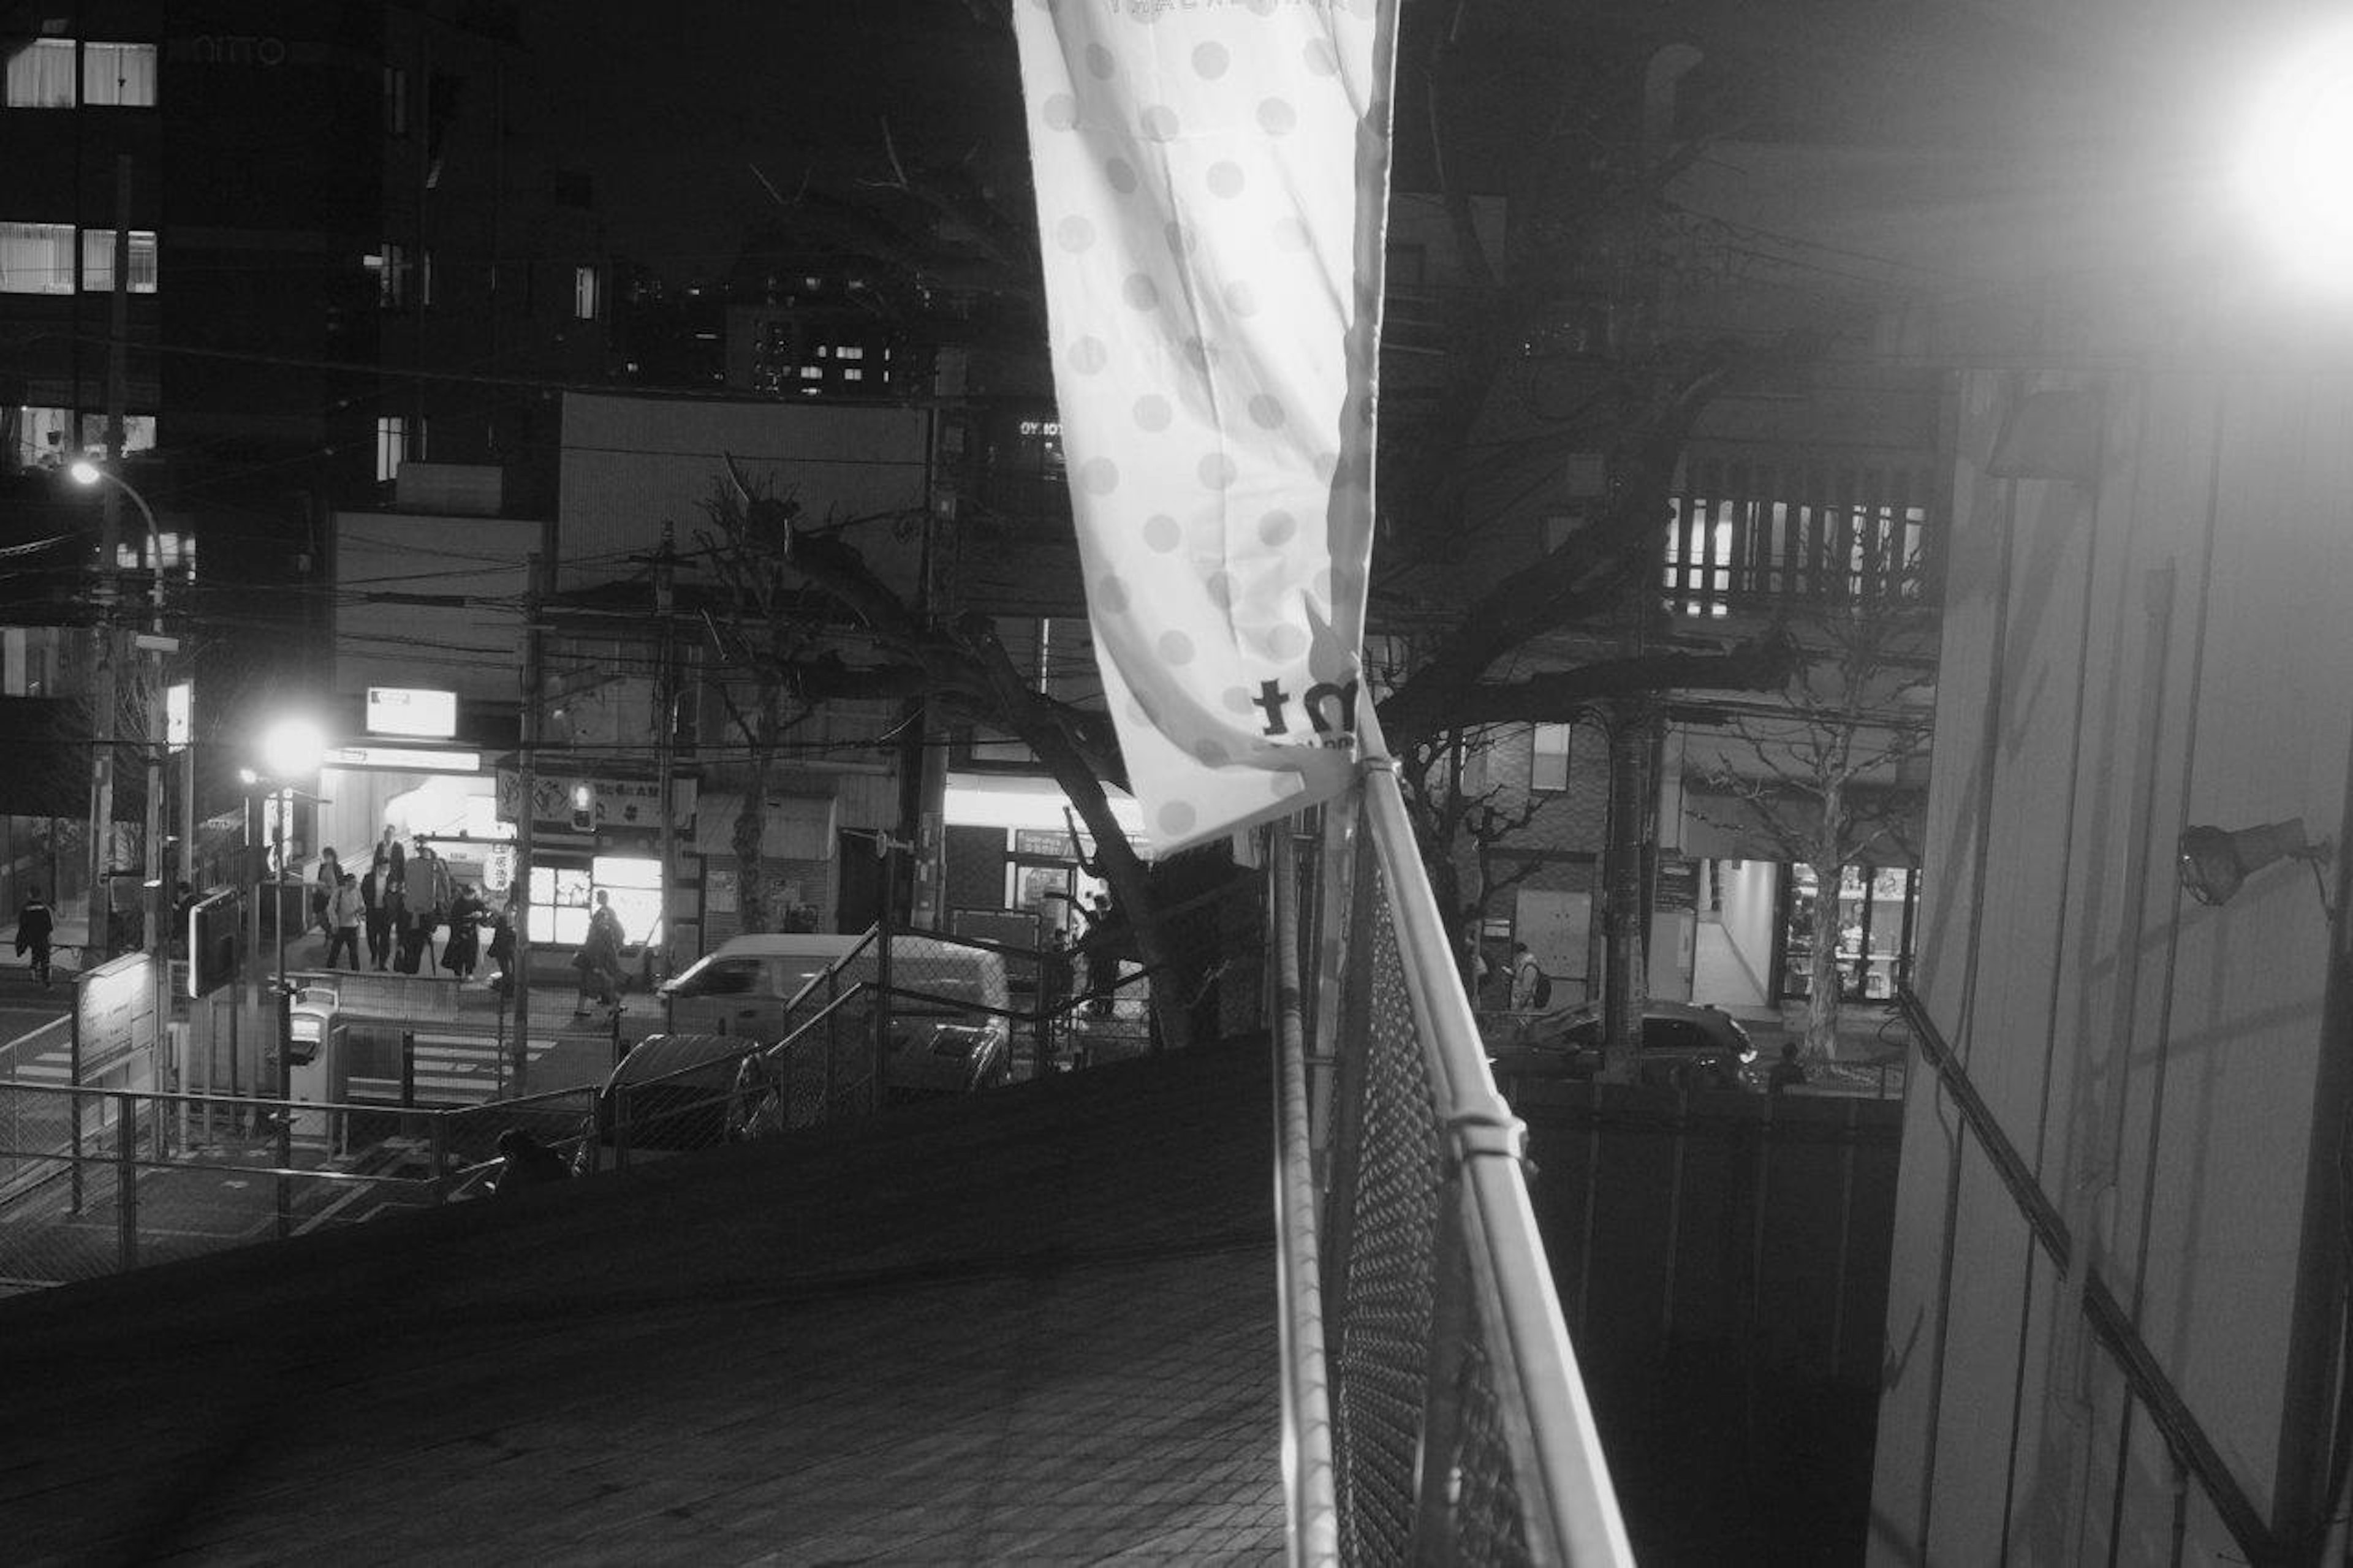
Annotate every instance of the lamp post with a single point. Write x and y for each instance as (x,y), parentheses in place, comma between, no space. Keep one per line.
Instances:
(290,749)
(86,473)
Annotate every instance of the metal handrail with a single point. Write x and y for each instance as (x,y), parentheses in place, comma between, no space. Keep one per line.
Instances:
(2111,1325)
(1572,1503)
(1308,1477)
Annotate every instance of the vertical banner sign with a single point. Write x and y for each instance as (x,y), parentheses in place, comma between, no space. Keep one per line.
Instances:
(1212,183)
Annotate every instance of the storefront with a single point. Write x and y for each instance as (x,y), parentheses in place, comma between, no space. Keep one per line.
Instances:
(591,836)
(1878,908)
(1016,860)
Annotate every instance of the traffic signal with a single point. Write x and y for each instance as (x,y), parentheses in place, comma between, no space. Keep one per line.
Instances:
(584,808)
(213,928)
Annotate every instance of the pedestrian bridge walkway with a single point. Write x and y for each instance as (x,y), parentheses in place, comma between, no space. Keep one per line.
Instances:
(1037,1327)
(1061,1322)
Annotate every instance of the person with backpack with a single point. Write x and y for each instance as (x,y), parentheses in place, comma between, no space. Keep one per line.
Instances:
(1531,986)
(35,928)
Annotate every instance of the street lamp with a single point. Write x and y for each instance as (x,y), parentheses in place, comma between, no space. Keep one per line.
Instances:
(2293,165)
(85,472)
(290,749)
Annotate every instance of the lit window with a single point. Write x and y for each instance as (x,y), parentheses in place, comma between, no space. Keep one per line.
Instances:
(849,350)
(812,373)
(391,445)
(391,269)
(119,76)
(37,257)
(97,260)
(1548,756)
(138,433)
(41,75)
(41,435)
(853,375)
(584,293)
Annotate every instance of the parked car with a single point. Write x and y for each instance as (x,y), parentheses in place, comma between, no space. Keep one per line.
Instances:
(1683,1046)
(716,1072)
(671,1092)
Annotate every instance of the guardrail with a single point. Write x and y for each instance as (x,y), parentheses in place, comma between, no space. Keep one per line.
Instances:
(1459,1428)
(105,1180)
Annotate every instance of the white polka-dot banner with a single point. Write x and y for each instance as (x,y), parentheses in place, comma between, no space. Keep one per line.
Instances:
(1212,184)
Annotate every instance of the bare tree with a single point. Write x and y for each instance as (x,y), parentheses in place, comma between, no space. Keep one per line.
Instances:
(1817,774)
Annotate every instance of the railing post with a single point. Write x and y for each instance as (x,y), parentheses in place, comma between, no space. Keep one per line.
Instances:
(126,1180)
(408,1069)
(438,1141)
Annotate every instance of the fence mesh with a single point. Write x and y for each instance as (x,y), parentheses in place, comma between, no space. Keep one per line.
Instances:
(100,1181)
(1448,1370)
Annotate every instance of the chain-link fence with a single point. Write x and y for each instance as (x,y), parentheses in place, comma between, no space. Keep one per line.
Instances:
(98,1180)
(1458,1429)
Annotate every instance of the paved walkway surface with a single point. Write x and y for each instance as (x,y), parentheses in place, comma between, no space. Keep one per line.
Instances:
(1034,1326)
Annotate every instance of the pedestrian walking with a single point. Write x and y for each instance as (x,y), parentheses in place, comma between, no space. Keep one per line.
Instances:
(502,940)
(460,952)
(599,960)
(430,889)
(345,911)
(323,891)
(35,927)
(1789,1072)
(376,916)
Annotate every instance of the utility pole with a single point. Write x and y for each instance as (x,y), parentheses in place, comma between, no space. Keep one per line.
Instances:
(666,727)
(1624,979)
(526,812)
(104,698)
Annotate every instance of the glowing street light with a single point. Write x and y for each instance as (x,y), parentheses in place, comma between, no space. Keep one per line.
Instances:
(2296,167)
(292,749)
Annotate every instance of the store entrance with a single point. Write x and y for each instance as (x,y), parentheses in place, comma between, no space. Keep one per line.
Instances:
(1877,909)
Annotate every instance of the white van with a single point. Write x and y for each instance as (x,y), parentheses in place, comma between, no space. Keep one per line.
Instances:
(950,1031)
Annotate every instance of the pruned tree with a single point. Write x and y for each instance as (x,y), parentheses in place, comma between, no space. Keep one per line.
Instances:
(869,639)
(1817,774)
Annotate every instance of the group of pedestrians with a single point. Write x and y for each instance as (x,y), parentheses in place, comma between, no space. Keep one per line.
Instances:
(406,900)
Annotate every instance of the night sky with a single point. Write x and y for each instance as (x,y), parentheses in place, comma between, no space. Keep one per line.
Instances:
(672,106)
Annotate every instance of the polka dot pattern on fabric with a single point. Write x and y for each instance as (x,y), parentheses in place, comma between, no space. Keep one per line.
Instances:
(1206,165)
